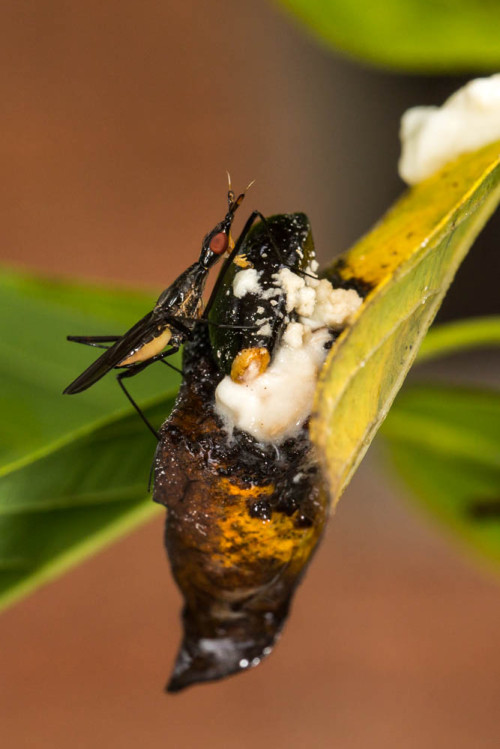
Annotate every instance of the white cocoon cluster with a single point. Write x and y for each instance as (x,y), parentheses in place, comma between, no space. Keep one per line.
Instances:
(273,406)
(433,136)
(246,282)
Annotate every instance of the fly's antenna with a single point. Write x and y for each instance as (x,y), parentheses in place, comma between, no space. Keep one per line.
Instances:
(230,191)
(232,202)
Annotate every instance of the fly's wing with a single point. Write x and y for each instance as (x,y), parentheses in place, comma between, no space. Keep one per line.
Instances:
(139,333)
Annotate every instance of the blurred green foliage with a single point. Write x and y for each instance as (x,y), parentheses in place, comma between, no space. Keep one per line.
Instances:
(423,36)
(73,470)
(444,442)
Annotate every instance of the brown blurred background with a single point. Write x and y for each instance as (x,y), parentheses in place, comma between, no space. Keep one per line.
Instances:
(118,122)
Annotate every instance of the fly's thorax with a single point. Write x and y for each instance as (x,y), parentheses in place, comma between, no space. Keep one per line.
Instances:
(184,297)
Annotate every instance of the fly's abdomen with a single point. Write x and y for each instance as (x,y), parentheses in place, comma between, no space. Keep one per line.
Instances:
(151,348)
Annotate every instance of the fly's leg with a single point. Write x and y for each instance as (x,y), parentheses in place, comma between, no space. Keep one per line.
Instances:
(229,327)
(151,474)
(119,379)
(276,249)
(135,369)
(227,262)
(172,366)
(98,341)
(245,231)
(215,324)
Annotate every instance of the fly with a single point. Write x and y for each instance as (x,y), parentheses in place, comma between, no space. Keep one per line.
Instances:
(160,333)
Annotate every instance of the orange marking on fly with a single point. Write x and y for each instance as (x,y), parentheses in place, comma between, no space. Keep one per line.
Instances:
(149,349)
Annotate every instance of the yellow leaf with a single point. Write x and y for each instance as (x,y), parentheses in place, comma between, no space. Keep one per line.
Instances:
(408,261)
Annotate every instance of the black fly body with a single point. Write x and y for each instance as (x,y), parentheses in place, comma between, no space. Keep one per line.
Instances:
(161,332)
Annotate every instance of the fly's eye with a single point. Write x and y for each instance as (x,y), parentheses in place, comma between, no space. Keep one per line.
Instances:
(219,243)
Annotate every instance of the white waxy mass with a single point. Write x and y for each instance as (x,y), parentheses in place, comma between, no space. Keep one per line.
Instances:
(274,405)
(433,136)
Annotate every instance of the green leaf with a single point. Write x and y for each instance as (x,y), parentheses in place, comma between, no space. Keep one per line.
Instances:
(412,35)
(462,335)
(444,442)
(82,494)
(36,361)
(409,259)
(73,469)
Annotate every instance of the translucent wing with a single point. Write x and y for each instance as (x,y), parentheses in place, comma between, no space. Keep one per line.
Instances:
(140,333)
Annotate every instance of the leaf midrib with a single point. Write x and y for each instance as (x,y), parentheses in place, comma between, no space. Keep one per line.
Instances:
(81,432)
(73,501)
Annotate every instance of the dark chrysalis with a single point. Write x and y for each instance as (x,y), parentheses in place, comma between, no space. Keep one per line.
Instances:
(243,517)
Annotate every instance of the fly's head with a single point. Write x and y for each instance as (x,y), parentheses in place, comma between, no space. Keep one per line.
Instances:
(218,241)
